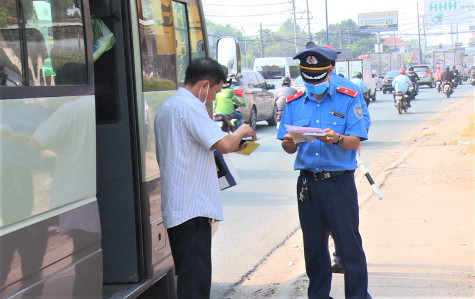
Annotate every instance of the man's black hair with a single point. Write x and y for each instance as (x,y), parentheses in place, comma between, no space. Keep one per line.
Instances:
(204,69)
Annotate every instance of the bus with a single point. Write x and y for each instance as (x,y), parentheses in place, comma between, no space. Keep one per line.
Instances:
(275,68)
(80,205)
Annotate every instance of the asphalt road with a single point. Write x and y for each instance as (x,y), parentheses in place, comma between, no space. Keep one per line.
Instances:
(260,213)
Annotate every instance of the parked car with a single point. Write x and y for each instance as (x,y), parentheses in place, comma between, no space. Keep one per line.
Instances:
(252,88)
(388,81)
(426,77)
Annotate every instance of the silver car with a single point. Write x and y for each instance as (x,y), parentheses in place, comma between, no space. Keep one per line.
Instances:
(252,88)
(426,77)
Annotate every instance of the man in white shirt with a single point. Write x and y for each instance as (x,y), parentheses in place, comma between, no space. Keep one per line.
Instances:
(185,138)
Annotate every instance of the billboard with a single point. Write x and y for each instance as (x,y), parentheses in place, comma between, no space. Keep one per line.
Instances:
(443,12)
(378,21)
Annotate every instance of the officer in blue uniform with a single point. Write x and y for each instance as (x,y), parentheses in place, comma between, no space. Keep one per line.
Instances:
(327,196)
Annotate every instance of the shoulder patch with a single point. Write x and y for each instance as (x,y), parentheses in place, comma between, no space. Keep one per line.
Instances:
(294,96)
(347,91)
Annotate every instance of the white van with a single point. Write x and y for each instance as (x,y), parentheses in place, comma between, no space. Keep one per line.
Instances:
(274,68)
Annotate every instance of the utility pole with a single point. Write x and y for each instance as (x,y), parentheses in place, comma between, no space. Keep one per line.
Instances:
(308,23)
(262,43)
(419,30)
(326,16)
(425,37)
(339,36)
(348,34)
(295,27)
(380,51)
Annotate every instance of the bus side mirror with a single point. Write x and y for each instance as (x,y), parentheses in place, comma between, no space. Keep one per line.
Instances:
(229,54)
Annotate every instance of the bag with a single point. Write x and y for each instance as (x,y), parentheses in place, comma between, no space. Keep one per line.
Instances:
(103,38)
(227,175)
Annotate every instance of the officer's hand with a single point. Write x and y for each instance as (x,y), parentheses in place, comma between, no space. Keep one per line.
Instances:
(288,144)
(330,136)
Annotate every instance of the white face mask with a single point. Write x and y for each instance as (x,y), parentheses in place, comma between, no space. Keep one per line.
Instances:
(199,94)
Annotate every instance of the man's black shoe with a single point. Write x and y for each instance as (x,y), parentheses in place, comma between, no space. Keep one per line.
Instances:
(338,268)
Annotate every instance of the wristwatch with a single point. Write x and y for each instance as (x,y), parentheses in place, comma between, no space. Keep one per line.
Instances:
(340,140)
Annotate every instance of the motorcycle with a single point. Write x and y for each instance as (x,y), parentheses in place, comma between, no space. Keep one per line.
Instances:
(455,82)
(447,88)
(401,102)
(226,122)
(471,80)
(438,84)
(367,98)
(414,90)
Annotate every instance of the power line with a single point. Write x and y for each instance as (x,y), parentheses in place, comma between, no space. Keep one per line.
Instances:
(258,15)
(240,5)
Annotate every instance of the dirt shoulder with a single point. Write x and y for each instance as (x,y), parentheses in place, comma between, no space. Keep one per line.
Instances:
(419,240)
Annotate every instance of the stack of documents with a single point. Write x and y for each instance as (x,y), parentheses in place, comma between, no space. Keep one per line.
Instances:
(304,134)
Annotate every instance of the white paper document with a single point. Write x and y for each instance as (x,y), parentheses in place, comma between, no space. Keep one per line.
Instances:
(304,134)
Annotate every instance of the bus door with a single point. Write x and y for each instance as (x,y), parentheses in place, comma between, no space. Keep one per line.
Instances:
(118,167)
(155,42)
(168,35)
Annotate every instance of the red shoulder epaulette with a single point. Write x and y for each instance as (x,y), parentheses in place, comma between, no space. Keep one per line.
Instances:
(294,96)
(347,91)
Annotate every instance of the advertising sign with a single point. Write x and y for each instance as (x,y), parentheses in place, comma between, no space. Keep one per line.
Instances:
(378,21)
(443,12)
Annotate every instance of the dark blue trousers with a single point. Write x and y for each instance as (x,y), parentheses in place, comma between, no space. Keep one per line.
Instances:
(332,205)
(191,249)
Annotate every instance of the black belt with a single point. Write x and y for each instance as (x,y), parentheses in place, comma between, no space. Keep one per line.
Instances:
(322,175)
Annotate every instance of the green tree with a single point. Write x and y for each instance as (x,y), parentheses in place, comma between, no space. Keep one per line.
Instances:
(218,30)
(346,35)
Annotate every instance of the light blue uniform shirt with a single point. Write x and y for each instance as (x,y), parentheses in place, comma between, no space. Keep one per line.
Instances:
(306,111)
(348,84)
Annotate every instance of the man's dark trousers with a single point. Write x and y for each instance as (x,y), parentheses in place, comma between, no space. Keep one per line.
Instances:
(332,206)
(190,243)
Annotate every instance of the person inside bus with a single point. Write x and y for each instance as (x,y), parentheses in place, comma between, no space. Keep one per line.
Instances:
(185,139)
(226,101)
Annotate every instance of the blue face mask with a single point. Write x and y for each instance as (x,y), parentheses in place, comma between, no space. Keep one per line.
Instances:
(317,89)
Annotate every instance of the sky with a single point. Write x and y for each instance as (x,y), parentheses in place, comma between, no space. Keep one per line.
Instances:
(248,14)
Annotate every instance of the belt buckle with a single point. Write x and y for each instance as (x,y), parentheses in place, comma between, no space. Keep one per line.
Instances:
(321,176)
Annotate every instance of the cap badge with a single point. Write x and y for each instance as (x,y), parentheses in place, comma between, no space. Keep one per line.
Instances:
(312,60)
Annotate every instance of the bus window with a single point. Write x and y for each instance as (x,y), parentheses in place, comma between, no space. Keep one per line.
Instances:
(11,69)
(68,55)
(182,40)
(196,33)
(53,52)
(157,44)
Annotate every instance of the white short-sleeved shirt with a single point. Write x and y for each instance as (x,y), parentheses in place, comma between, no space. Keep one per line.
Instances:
(184,135)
